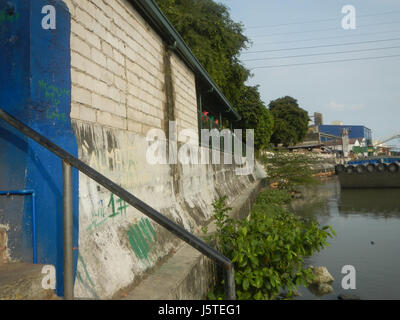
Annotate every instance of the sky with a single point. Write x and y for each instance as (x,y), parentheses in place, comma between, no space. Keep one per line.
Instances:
(357,92)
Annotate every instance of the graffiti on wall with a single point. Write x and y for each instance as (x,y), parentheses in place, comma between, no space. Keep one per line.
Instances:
(114,208)
(84,278)
(53,96)
(141,236)
(8,16)
(112,159)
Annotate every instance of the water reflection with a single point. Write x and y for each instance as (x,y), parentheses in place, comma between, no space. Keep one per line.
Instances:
(367,223)
(378,202)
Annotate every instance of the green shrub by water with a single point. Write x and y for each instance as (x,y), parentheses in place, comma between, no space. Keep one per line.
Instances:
(289,170)
(267,248)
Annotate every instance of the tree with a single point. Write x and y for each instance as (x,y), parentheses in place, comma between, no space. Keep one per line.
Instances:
(290,121)
(289,170)
(255,116)
(216,41)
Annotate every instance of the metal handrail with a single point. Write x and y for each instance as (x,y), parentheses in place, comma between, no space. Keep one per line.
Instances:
(70,161)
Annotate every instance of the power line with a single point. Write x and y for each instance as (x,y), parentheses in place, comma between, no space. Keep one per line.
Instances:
(322,54)
(292,23)
(320,30)
(324,38)
(323,62)
(323,46)
(319,20)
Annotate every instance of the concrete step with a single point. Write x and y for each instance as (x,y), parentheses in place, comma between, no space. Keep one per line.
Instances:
(188,275)
(23,281)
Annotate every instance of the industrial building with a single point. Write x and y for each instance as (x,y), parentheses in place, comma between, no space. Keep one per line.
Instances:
(355,131)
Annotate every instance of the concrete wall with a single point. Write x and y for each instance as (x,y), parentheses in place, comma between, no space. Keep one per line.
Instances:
(116,242)
(120,70)
(35,89)
(4,255)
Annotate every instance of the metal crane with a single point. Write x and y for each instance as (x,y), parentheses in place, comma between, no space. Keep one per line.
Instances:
(378,143)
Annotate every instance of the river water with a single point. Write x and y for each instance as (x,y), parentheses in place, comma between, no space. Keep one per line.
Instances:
(367,224)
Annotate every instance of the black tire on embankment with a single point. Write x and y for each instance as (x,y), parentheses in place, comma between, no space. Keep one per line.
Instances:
(361,168)
(370,168)
(350,169)
(393,167)
(381,167)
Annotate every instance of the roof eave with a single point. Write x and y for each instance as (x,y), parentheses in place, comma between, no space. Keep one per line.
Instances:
(154,16)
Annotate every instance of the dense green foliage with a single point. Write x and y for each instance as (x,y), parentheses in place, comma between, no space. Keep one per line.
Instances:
(214,38)
(255,116)
(289,170)
(268,249)
(290,121)
(216,41)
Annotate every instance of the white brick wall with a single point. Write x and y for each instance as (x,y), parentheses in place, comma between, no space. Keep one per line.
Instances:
(118,69)
(118,94)
(185,95)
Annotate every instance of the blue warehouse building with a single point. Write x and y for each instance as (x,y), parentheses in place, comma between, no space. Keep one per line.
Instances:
(355,132)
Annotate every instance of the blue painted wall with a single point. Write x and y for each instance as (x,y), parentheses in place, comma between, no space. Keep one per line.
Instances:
(355,131)
(35,87)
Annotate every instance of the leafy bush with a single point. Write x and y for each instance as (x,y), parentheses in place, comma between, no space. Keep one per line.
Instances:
(289,170)
(268,248)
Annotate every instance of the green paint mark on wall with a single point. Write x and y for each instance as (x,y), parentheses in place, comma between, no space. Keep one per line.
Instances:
(141,236)
(104,213)
(6,17)
(120,210)
(53,96)
(89,285)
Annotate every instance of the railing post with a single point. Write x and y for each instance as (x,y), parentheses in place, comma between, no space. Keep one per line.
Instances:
(230,292)
(68,232)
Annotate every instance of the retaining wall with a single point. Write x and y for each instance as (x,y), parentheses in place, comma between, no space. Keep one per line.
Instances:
(121,72)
